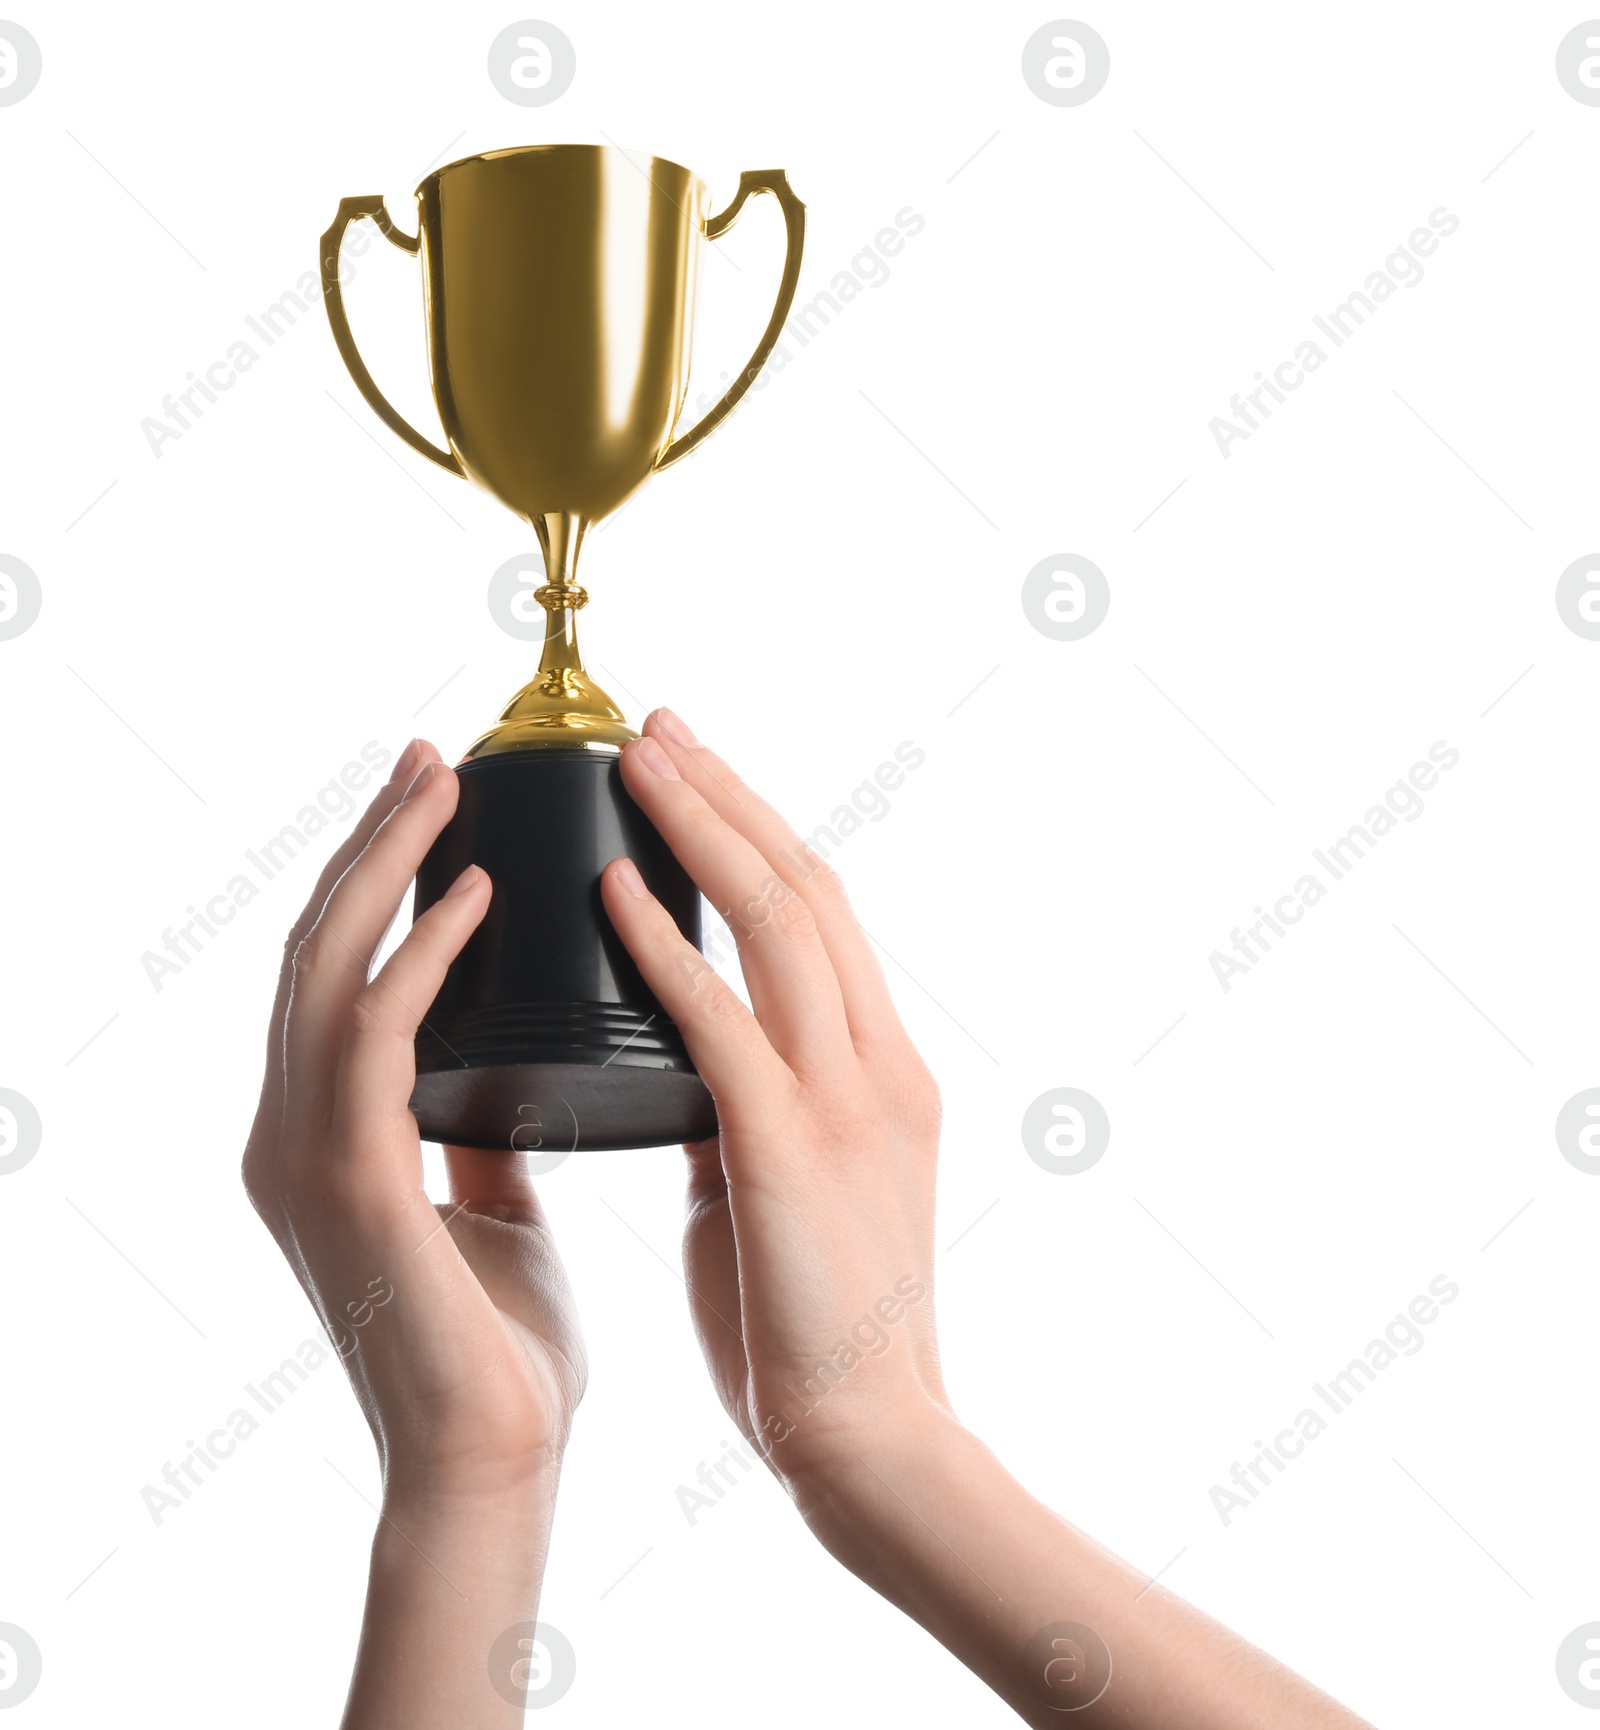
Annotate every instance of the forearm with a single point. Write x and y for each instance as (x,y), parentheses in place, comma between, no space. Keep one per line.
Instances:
(449,1577)
(1051,1621)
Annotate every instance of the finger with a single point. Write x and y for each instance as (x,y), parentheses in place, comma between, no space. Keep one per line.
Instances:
(792,983)
(734,1057)
(332,962)
(377,1064)
(261,1152)
(708,1182)
(410,760)
(867,1002)
(494,1183)
(711,1273)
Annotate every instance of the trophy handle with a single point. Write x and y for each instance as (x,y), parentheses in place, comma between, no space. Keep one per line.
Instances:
(775,181)
(352,210)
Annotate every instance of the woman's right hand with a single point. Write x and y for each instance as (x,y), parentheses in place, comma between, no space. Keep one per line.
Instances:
(809,1243)
(809,1257)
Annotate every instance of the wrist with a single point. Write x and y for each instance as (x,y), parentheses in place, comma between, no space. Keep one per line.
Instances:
(850,1498)
(490,1547)
(439,1492)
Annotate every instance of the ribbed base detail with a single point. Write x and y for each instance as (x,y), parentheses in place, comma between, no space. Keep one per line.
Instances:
(551,1033)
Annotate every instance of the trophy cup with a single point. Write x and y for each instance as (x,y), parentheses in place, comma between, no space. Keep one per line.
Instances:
(559,285)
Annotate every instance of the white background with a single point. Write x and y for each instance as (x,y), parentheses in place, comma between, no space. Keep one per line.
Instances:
(835,571)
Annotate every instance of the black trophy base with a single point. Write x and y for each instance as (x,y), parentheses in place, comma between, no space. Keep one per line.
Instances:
(544,1037)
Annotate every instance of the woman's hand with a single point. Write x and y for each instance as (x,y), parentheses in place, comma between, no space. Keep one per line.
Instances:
(809,1255)
(454,1322)
(809,1245)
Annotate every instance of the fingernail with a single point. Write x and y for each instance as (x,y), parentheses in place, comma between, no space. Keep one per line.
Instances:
(422,780)
(464,882)
(628,876)
(677,730)
(655,759)
(407,761)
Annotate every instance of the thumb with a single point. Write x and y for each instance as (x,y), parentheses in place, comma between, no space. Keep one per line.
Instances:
(493,1183)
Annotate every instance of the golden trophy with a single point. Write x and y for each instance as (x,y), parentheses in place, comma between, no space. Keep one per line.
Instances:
(559,285)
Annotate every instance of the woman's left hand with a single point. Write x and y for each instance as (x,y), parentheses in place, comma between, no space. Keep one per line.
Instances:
(455,1322)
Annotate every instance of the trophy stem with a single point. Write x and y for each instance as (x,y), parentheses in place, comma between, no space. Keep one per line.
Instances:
(560,536)
(561,705)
